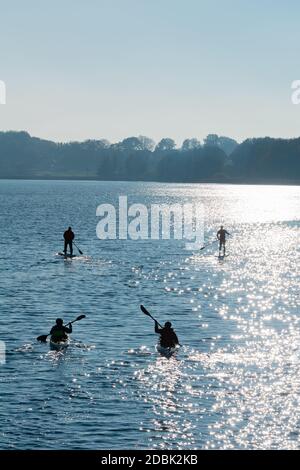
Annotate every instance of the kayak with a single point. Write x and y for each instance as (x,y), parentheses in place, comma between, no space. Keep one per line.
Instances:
(167,352)
(59,345)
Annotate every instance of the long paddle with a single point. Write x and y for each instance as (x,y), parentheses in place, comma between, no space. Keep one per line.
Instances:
(145,311)
(43,338)
(80,252)
(205,246)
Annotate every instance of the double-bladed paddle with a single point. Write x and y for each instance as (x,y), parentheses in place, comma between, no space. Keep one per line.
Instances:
(43,338)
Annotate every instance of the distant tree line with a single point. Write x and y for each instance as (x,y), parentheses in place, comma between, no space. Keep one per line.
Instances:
(216,159)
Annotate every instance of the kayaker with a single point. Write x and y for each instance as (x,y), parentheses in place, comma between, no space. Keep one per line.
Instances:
(168,337)
(221,236)
(69,237)
(59,332)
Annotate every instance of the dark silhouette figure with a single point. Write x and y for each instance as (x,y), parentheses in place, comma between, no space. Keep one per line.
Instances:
(168,337)
(221,236)
(69,237)
(59,332)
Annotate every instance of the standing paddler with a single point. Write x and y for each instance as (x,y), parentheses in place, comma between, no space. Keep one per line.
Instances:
(221,236)
(69,237)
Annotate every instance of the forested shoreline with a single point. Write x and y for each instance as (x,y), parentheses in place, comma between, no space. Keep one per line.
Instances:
(216,159)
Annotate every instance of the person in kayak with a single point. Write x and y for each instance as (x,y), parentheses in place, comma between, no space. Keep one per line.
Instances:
(69,237)
(59,332)
(221,236)
(168,337)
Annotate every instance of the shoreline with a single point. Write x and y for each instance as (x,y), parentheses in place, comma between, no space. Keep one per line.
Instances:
(232,181)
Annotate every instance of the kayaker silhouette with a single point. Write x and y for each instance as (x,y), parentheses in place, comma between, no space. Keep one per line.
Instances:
(69,237)
(59,332)
(221,236)
(168,337)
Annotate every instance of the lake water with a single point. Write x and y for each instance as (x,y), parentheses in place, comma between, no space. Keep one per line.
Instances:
(235,382)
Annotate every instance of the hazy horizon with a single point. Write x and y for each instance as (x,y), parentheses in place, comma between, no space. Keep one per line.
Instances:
(76,71)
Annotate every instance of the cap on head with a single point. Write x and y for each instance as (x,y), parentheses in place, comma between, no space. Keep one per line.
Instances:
(168,324)
(59,321)
(70,228)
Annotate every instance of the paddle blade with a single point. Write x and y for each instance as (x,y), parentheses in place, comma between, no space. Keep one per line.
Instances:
(80,252)
(145,311)
(79,318)
(42,338)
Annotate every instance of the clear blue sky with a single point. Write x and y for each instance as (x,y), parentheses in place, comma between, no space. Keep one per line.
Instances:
(116,68)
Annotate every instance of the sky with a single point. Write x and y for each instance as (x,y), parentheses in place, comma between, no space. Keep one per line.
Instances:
(76,70)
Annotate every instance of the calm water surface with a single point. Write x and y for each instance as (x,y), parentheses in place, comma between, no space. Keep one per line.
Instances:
(235,382)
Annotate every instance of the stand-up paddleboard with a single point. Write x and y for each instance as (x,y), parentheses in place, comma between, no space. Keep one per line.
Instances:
(221,256)
(66,255)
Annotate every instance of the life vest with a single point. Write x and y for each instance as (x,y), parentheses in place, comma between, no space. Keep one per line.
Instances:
(58,333)
(168,338)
